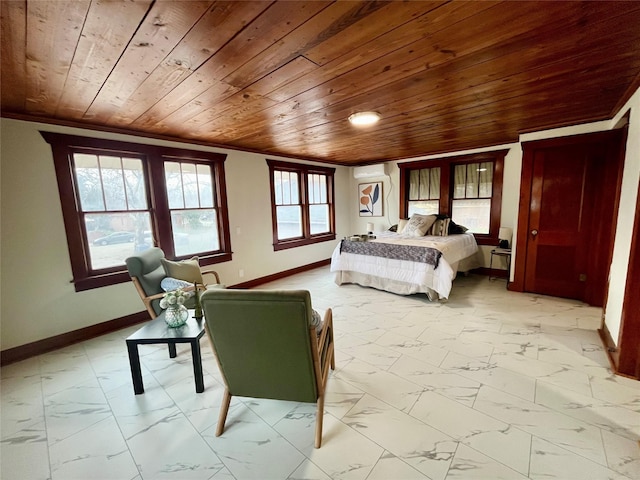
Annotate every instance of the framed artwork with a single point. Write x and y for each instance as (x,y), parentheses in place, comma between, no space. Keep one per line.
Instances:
(370,199)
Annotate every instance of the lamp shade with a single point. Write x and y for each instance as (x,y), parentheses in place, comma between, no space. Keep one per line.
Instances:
(505,233)
(504,237)
(369,227)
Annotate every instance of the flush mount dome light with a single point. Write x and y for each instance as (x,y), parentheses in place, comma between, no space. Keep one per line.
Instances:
(362,119)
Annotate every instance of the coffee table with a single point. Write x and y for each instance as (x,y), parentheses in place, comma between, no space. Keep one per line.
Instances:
(157,331)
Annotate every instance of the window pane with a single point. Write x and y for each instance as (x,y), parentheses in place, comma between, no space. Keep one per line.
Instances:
(286,188)
(89,182)
(190,185)
(459,181)
(289,222)
(173,181)
(322,179)
(317,188)
(319,217)
(425,183)
(424,207)
(134,184)
(414,184)
(277,187)
(434,189)
(295,190)
(113,237)
(486,179)
(473,214)
(195,231)
(205,186)
(112,183)
(472,180)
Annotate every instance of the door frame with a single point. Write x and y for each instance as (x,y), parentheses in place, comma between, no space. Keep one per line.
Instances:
(526,181)
(626,356)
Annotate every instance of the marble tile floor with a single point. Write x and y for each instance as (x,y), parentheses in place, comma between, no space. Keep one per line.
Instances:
(490,384)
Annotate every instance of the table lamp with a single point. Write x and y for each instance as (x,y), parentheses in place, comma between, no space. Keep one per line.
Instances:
(504,236)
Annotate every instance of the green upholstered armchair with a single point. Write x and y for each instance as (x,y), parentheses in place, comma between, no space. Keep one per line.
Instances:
(147,272)
(266,348)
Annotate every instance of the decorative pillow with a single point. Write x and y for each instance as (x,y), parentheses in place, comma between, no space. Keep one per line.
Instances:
(419,224)
(393,228)
(440,227)
(169,284)
(455,229)
(316,321)
(187,270)
(402,223)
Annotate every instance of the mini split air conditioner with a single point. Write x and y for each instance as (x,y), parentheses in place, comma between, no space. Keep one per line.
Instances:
(370,171)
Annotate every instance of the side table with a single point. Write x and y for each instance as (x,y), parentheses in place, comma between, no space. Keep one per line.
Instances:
(500,252)
(157,331)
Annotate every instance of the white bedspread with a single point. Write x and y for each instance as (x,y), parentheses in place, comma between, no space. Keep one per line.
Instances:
(402,276)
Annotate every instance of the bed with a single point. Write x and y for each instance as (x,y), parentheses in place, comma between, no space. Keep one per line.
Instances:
(405,273)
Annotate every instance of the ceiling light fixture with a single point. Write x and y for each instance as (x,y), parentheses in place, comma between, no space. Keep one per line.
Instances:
(363,119)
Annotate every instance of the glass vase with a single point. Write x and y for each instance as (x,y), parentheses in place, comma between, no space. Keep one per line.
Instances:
(176,315)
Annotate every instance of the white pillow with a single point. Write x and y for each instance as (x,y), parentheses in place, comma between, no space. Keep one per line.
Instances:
(401,224)
(419,224)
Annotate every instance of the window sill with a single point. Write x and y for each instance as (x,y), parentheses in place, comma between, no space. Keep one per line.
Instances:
(300,242)
(98,281)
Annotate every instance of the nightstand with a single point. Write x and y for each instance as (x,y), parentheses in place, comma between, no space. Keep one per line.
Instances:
(500,252)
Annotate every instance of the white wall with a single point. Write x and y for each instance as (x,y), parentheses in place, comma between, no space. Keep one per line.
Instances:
(38,299)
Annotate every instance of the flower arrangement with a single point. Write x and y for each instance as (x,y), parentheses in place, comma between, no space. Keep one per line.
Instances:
(174,298)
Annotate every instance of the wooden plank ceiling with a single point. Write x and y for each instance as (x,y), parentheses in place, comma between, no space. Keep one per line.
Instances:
(282,77)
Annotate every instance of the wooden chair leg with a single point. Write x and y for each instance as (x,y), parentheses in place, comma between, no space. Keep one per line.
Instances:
(224,409)
(319,418)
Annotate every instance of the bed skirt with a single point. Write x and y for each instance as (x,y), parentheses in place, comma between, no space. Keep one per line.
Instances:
(393,286)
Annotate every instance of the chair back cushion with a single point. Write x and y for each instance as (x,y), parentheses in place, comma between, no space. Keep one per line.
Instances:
(187,270)
(146,266)
(262,342)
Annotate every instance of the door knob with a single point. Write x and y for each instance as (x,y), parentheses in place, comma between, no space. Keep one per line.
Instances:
(534,232)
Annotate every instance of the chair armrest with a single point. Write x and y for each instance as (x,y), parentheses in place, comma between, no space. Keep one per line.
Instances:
(154,297)
(325,344)
(327,328)
(211,272)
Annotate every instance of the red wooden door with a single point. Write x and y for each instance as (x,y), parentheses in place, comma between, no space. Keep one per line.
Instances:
(559,222)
